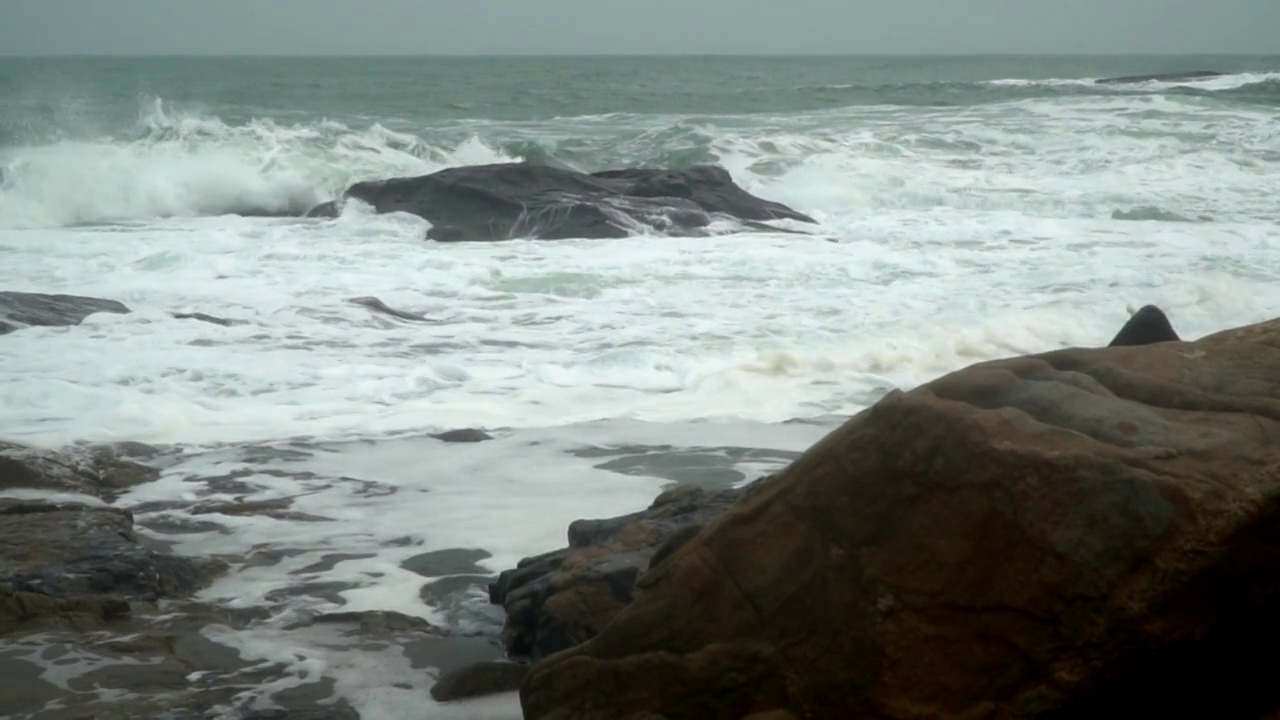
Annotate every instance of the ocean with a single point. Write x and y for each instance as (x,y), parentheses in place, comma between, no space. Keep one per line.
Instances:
(969,209)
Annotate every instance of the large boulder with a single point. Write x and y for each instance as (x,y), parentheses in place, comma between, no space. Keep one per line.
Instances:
(23,309)
(1078,533)
(531,200)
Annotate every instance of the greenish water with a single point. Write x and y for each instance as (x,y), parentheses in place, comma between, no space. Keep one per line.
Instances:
(402,92)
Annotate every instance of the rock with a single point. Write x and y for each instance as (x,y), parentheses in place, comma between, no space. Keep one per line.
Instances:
(21,310)
(1077,533)
(1147,326)
(1160,77)
(484,678)
(328,209)
(373,623)
(378,306)
(531,200)
(81,560)
(202,317)
(444,563)
(560,599)
(463,435)
(102,471)
(68,551)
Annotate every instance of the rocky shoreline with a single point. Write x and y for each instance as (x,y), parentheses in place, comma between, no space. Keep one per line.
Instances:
(1080,526)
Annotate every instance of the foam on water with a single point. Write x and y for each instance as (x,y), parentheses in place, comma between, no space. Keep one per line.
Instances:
(948,235)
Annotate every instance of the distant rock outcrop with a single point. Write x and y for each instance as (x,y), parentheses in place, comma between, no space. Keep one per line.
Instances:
(530,200)
(1160,77)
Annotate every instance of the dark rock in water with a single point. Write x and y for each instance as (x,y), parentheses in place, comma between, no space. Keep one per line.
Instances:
(101,471)
(206,318)
(378,306)
(330,209)
(562,598)
(338,711)
(529,200)
(442,563)
(1160,77)
(484,678)
(21,310)
(1147,326)
(463,435)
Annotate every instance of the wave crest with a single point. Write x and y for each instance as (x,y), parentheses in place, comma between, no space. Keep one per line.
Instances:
(186,164)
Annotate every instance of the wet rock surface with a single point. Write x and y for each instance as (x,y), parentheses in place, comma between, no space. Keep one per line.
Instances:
(1090,531)
(532,200)
(560,599)
(485,678)
(97,619)
(20,310)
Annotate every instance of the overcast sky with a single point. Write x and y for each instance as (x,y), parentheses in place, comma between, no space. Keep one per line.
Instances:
(393,27)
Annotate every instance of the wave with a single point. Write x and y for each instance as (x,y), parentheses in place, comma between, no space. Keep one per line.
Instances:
(187,164)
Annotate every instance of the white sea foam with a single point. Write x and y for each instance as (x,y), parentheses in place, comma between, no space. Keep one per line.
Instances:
(947,236)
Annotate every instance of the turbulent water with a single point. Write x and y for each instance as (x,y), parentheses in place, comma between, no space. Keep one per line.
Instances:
(969,209)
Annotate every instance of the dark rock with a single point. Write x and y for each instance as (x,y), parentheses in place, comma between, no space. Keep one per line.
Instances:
(329,209)
(338,711)
(21,310)
(560,599)
(441,563)
(485,678)
(101,471)
(202,317)
(1147,326)
(1080,533)
(529,200)
(378,306)
(68,551)
(1160,77)
(464,435)
(374,623)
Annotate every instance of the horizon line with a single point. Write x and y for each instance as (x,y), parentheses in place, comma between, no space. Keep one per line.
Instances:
(361,56)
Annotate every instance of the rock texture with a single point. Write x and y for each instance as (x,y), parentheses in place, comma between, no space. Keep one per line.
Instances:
(530,200)
(78,561)
(1081,533)
(22,309)
(563,598)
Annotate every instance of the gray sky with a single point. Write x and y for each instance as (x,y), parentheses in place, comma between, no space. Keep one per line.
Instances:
(391,27)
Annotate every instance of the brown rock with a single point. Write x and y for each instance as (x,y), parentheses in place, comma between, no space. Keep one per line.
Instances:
(1080,533)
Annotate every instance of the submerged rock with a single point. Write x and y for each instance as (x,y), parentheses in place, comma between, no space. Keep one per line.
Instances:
(529,200)
(1076,533)
(22,310)
(203,317)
